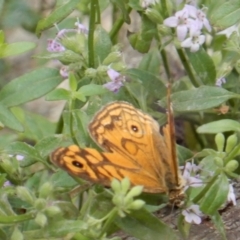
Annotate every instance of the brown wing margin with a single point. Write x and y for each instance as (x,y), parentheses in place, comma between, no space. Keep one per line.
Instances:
(172,136)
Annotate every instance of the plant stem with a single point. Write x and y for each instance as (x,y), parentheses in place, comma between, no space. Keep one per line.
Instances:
(92,21)
(187,67)
(117,25)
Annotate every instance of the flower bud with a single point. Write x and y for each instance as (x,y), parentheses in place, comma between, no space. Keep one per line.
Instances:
(112,57)
(135,191)
(220,140)
(41,219)
(53,211)
(137,204)
(218,161)
(7,166)
(117,200)
(45,190)
(115,185)
(232,165)
(125,184)
(154,15)
(40,204)
(91,73)
(24,194)
(231,143)
(17,235)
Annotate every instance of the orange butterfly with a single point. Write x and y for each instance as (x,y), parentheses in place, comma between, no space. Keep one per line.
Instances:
(133,147)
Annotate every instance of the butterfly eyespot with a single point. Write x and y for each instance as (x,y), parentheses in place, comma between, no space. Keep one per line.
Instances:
(77,164)
(134,128)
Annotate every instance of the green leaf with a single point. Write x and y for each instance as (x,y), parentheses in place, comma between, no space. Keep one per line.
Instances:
(58,94)
(215,196)
(226,14)
(14,49)
(218,223)
(60,13)
(8,119)
(151,62)
(102,45)
(222,125)
(144,226)
(35,126)
(92,89)
(203,66)
(57,229)
(141,41)
(201,98)
(29,86)
(46,145)
(30,154)
(80,123)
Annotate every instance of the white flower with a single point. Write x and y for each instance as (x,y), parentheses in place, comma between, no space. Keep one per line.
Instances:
(195,40)
(116,80)
(220,81)
(231,195)
(203,21)
(192,11)
(181,22)
(191,181)
(192,214)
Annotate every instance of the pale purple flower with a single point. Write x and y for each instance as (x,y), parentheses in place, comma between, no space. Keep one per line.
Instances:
(181,21)
(19,157)
(7,184)
(116,80)
(81,28)
(54,46)
(64,71)
(195,40)
(220,81)
(192,214)
(231,195)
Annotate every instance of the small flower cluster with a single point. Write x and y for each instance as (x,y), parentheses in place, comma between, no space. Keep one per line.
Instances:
(54,45)
(116,82)
(116,79)
(189,20)
(191,177)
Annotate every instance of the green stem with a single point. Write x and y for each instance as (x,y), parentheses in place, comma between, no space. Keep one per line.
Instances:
(93,13)
(232,154)
(187,67)
(71,107)
(117,25)
(164,7)
(165,63)
(110,217)
(206,188)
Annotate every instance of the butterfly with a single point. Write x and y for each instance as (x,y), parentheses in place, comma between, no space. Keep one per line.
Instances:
(132,146)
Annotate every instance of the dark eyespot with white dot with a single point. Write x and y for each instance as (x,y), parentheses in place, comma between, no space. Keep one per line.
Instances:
(134,128)
(77,164)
